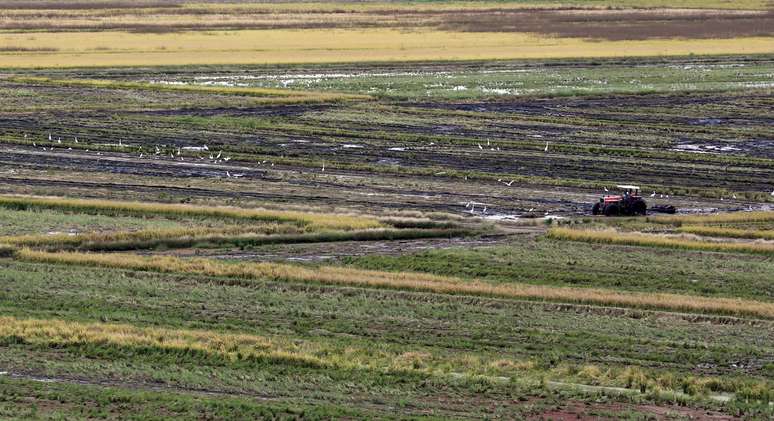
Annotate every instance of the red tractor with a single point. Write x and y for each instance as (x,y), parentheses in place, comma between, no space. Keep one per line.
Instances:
(628,203)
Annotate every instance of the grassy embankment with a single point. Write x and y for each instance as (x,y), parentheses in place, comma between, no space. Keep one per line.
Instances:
(235,227)
(267,95)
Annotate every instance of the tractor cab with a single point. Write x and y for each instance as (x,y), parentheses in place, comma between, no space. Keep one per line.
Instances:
(627,202)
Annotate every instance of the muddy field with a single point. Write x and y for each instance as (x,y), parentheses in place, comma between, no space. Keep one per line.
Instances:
(699,151)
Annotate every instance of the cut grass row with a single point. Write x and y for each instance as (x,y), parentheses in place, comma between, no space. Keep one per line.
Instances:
(247,350)
(250,273)
(634,239)
(402,320)
(718,218)
(276,95)
(726,232)
(96,239)
(241,237)
(669,346)
(23,399)
(309,221)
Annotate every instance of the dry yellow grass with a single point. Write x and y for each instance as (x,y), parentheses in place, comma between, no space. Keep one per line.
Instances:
(311,221)
(484,4)
(610,236)
(77,49)
(233,347)
(408,281)
(318,353)
(726,232)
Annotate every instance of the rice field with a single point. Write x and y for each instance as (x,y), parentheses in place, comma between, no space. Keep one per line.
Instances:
(407,281)
(382,210)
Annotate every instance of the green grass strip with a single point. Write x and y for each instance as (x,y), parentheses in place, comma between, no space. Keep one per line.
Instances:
(249,273)
(653,240)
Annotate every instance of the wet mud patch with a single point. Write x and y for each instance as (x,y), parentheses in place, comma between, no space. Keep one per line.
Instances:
(618,24)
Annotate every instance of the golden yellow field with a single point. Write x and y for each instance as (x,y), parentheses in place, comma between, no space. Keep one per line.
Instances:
(77,49)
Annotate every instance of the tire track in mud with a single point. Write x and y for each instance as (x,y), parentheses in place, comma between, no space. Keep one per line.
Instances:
(135,385)
(455,204)
(355,401)
(395,198)
(121,165)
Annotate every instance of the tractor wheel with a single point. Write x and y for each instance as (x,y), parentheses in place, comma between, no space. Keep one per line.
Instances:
(639,208)
(611,210)
(595,209)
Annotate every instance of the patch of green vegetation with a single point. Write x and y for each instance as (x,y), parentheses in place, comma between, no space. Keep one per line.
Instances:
(495,81)
(25,399)
(43,221)
(554,262)
(452,334)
